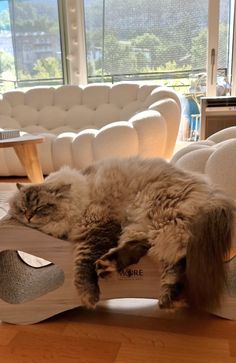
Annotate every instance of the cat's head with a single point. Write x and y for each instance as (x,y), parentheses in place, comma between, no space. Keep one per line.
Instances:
(39,204)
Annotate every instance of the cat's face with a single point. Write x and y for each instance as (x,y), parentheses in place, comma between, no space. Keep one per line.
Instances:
(38,205)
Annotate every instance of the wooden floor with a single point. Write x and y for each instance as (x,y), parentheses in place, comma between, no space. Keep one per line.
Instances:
(121,335)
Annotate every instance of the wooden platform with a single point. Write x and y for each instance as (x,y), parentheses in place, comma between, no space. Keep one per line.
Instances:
(20,305)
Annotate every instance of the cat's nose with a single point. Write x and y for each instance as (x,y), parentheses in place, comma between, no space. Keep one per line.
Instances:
(28,216)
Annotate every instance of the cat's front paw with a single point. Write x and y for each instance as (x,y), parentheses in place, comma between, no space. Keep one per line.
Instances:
(104,267)
(89,295)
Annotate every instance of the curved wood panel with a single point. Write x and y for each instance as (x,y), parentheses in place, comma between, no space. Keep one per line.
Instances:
(137,281)
(141,280)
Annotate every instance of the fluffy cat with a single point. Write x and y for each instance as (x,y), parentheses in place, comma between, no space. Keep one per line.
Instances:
(118,210)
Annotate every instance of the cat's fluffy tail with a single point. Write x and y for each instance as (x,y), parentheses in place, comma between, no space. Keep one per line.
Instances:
(210,243)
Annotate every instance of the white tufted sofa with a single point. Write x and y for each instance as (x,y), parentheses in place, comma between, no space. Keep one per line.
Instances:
(85,124)
(215,157)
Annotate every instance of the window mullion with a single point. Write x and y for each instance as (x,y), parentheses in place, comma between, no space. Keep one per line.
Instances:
(75,41)
(213,40)
(13,34)
(233,89)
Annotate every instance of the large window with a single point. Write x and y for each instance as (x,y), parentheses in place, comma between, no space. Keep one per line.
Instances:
(160,40)
(165,42)
(30,46)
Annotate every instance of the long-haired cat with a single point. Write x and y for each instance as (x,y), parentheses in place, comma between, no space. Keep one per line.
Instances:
(118,210)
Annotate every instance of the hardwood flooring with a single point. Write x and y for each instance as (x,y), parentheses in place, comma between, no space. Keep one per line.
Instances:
(113,334)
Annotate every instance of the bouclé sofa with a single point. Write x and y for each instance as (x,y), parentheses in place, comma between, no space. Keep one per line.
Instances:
(85,124)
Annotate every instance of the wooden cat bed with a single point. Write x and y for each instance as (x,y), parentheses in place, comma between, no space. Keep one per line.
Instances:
(29,295)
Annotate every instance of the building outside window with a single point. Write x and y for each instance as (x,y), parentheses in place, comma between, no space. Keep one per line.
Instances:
(30,44)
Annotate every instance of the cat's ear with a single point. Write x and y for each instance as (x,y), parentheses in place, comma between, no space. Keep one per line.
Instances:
(19,186)
(61,190)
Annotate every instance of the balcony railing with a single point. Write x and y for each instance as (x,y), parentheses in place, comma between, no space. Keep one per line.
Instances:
(186,81)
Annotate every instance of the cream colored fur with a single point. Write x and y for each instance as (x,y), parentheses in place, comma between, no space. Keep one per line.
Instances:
(152,201)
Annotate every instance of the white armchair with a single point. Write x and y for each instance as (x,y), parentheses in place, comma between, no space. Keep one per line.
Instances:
(215,157)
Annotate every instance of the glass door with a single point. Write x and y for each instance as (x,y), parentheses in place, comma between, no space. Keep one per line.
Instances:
(225,48)
(175,43)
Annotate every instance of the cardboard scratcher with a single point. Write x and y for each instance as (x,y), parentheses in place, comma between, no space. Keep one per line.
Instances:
(29,294)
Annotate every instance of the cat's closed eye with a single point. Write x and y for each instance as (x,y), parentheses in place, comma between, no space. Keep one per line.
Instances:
(44,209)
(20,210)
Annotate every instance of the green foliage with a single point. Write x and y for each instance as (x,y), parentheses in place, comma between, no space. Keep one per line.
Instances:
(7,71)
(172,66)
(199,49)
(223,46)
(6,63)
(24,75)
(35,16)
(47,68)
(140,36)
(118,56)
(146,41)
(29,16)
(93,41)
(155,33)
(4,20)
(148,48)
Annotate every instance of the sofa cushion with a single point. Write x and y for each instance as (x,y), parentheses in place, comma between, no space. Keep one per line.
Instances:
(214,157)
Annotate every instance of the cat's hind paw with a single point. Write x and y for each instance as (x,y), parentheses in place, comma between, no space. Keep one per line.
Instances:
(165,303)
(88,301)
(89,296)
